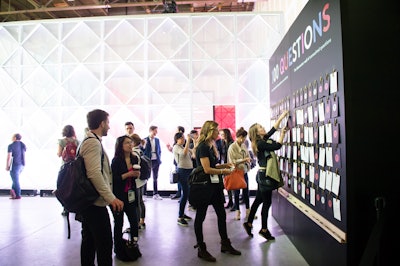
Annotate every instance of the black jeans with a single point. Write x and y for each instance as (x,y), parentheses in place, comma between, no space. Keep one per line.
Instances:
(217,202)
(264,197)
(141,208)
(130,209)
(96,237)
(154,167)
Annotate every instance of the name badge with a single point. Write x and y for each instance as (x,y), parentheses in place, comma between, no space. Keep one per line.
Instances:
(214,178)
(131,196)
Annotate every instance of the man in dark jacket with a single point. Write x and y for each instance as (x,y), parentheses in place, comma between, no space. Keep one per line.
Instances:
(152,149)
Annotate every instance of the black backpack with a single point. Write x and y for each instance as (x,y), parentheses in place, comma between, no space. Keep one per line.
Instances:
(74,190)
(145,165)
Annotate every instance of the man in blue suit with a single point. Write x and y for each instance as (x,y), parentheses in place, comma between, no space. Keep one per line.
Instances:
(152,149)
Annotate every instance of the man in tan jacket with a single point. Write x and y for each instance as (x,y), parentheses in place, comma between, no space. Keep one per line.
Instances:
(96,226)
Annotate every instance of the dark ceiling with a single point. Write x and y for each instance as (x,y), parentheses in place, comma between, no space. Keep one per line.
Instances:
(19,10)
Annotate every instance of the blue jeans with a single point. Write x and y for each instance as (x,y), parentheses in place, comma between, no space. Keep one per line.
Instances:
(14,173)
(183,181)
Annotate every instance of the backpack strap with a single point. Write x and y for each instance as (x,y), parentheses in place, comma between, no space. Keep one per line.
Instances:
(102,150)
(137,154)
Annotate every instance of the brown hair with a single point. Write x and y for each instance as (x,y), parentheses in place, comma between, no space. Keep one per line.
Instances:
(241,132)
(136,139)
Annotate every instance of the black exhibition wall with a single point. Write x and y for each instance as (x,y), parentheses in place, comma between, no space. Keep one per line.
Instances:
(329,71)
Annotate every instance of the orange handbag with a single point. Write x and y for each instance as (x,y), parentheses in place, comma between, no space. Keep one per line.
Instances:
(235,180)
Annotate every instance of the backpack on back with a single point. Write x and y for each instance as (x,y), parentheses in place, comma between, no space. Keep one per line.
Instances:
(74,189)
(145,167)
(69,152)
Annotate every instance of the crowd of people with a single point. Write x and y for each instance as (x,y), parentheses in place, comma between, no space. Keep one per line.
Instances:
(121,190)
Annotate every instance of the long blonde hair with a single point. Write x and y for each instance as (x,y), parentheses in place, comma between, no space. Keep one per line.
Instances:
(253,136)
(207,131)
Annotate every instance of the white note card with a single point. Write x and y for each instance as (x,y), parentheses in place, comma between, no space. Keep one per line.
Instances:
(311,172)
(335,183)
(333,82)
(336,209)
(322,179)
(312,196)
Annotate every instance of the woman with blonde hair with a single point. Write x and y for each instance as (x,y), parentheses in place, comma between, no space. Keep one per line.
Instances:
(206,157)
(261,145)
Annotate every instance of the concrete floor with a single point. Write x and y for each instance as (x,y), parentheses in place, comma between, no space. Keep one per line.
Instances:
(33,232)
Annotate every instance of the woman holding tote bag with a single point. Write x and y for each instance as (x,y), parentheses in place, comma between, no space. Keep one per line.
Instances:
(239,155)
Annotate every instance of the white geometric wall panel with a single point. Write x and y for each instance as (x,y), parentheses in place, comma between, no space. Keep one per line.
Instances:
(164,70)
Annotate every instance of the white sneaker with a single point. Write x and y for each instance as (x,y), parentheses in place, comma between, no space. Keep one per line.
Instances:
(157,197)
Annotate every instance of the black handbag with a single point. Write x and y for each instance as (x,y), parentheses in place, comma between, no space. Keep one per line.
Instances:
(198,176)
(200,192)
(174,176)
(265,182)
(130,251)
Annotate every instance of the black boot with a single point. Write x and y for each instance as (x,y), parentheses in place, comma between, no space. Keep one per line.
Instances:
(248,229)
(203,253)
(226,247)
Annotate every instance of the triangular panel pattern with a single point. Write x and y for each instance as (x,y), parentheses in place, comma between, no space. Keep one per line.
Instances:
(40,86)
(8,86)
(255,41)
(14,30)
(81,47)
(34,43)
(158,70)
(214,38)
(81,84)
(53,57)
(139,24)
(168,38)
(67,56)
(123,39)
(139,54)
(8,45)
(252,79)
(124,83)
